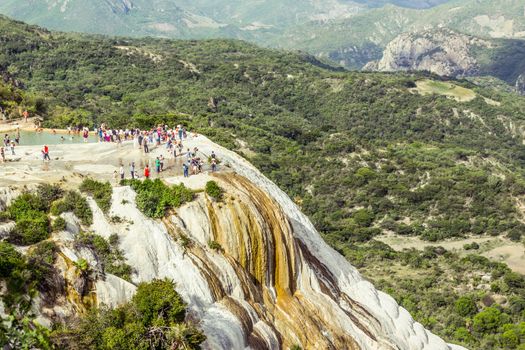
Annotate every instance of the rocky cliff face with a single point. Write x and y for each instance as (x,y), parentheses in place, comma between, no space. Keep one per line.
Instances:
(451,54)
(442,52)
(123,6)
(274,282)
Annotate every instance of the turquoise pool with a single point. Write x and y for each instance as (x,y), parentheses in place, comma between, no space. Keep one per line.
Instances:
(29,138)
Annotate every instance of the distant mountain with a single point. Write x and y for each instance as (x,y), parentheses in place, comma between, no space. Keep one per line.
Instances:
(448,53)
(350,33)
(416,4)
(368,32)
(160,18)
(261,21)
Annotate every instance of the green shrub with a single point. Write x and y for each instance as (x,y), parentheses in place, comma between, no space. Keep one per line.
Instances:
(100,191)
(40,263)
(75,203)
(155,199)
(10,260)
(59,224)
(60,206)
(120,269)
(463,335)
(488,320)
(213,190)
(107,252)
(82,264)
(514,280)
(510,339)
(49,193)
(158,301)
(363,217)
(45,252)
(214,245)
(31,228)
(471,246)
(155,315)
(466,306)
(25,203)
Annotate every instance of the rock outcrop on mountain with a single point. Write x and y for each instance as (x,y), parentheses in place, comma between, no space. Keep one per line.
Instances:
(442,52)
(273,284)
(451,54)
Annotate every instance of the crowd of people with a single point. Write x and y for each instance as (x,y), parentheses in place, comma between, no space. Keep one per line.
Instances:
(162,136)
(9,143)
(172,139)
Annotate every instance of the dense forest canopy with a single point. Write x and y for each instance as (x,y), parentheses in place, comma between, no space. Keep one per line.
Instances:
(361,153)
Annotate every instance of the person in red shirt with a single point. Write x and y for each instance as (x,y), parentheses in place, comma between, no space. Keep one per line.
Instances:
(45,153)
(146,172)
(26,115)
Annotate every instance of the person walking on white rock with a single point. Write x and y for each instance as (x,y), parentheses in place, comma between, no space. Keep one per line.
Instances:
(45,153)
(115,177)
(132,170)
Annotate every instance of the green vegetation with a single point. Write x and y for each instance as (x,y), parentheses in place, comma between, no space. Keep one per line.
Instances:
(32,224)
(107,251)
(22,277)
(59,224)
(155,199)
(82,265)
(468,300)
(153,319)
(101,192)
(446,89)
(215,245)
(75,203)
(213,190)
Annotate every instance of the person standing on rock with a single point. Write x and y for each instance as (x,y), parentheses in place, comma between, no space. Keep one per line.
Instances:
(157,165)
(146,148)
(146,172)
(45,153)
(132,170)
(121,171)
(12,148)
(2,154)
(115,177)
(185,169)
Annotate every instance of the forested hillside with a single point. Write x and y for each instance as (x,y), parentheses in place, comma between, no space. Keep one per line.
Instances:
(361,153)
(352,33)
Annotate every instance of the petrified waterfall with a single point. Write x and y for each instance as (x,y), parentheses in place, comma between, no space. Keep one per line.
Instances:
(270,281)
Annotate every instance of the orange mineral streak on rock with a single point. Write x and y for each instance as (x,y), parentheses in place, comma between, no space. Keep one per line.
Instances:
(257,238)
(81,303)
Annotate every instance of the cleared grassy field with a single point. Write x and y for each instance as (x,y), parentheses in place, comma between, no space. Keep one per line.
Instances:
(429,87)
